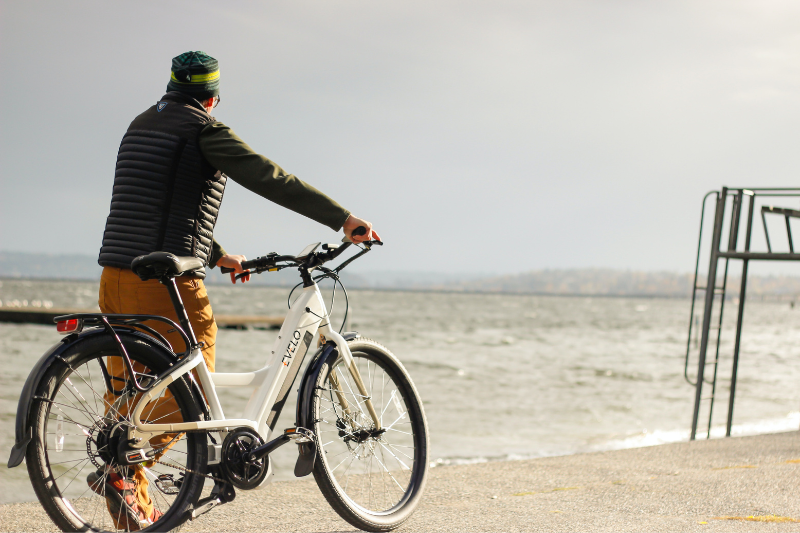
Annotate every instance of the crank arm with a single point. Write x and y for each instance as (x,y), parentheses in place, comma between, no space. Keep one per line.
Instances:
(299,435)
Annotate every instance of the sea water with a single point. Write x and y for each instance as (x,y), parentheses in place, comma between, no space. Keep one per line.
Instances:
(502,377)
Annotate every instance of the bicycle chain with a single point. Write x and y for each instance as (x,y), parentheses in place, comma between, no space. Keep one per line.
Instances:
(189,471)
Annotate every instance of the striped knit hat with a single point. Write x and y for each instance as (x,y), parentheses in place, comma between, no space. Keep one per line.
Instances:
(195,74)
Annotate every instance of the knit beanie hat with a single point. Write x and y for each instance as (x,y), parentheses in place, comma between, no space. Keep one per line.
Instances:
(195,74)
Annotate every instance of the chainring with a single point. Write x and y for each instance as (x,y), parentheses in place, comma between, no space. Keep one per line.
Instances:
(243,474)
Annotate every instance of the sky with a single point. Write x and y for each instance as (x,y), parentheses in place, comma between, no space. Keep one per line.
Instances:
(478,137)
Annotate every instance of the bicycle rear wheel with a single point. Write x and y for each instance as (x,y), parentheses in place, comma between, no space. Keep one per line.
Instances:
(77,427)
(373,478)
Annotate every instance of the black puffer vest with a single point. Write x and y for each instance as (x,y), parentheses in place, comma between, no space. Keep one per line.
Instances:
(166,195)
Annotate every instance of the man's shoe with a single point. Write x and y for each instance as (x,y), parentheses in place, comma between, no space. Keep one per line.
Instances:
(120,494)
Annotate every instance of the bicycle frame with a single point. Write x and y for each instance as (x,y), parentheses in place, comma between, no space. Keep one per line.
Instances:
(271,383)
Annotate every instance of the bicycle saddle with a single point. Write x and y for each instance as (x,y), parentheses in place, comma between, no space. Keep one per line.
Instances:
(157,265)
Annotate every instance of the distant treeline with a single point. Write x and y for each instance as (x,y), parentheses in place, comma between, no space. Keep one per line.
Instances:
(583,281)
(612,282)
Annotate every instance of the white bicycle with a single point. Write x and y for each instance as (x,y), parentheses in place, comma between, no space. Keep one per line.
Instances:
(113,396)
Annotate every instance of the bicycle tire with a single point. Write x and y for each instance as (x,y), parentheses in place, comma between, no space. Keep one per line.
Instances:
(68,499)
(391,465)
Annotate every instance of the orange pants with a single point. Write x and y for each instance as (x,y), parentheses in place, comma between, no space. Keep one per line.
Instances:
(122,292)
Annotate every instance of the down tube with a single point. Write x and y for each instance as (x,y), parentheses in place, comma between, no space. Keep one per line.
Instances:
(289,350)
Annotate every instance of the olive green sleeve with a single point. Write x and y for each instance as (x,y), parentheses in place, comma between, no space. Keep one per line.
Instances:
(226,152)
(217,251)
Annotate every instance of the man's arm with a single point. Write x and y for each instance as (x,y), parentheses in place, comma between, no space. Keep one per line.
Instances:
(226,152)
(217,252)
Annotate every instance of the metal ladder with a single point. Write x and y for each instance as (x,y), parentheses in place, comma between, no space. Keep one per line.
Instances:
(743,200)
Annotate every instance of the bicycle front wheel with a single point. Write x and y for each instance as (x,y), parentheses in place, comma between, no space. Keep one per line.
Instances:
(373,477)
(79,418)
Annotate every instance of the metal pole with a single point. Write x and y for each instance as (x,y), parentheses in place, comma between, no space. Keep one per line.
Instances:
(742,294)
(711,284)
(733,237)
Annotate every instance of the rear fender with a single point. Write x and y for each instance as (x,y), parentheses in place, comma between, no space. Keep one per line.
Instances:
(23,429)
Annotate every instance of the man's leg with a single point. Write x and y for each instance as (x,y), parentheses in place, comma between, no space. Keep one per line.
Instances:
(122,291)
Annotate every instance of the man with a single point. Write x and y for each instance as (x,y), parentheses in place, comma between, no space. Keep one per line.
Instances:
(171,171)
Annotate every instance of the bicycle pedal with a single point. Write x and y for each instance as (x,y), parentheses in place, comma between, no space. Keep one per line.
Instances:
(299,435)
(168,485)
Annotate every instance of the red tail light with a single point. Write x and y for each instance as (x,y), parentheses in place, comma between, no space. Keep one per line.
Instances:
(69,326)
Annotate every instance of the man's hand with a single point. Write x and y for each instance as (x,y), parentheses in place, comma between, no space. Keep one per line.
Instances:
(352,223)
(234,262)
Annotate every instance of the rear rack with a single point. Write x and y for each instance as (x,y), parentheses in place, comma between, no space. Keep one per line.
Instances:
(108,321)
(742,200)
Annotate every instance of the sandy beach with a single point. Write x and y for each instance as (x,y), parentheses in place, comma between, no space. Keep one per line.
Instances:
(736,484)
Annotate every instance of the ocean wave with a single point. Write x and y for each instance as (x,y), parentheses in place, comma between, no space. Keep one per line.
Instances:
(790,422)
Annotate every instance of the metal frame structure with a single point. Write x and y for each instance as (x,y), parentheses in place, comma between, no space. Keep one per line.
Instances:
(743,202)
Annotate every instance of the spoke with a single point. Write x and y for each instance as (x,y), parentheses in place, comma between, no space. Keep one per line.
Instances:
(386,406)
(65,462)
(347,451)
(393,455)
(391,476)
(73,467)
(78,392)
(76,475)
(371,457)
(396,421)
(383,477)
(160,417)
(400,452)
(94,392)
(155,403)
(89,371)
(400,446)
(66,398)
(346,477)
(84,429)
(76,408)
(340,464)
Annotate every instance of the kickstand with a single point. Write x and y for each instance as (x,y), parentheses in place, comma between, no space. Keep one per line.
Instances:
(221,493)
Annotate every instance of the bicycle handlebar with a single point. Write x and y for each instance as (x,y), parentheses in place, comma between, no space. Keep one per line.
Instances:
(316,259)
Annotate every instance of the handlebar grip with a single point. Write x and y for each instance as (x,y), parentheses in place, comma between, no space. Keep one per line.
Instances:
(359,231)
(226,270)
(247,265)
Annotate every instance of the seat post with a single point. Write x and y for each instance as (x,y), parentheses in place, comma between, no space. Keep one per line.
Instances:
(177,303)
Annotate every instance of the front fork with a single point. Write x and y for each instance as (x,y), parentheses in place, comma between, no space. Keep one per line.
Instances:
(347,357)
